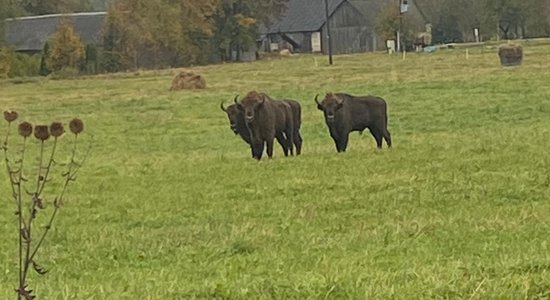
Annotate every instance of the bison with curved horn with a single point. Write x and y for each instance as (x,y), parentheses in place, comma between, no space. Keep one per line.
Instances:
(238,125)
(267,119)
(345,113)
(236,121)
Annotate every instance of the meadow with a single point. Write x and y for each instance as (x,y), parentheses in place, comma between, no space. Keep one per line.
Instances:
(171,206)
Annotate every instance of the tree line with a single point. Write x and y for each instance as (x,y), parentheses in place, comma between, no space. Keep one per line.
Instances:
(153,33)
(453,21)
(171,33)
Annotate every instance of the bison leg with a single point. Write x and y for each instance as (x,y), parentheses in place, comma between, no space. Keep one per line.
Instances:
(283,142)
(290,140)
(258,150)
(298,142)
(269,148)
(377,134)
(343,143)
(337,144)
(387,137)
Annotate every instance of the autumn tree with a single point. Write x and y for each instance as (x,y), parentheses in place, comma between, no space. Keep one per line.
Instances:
(237,23)
(118,51)
(159,33)
(390,20)
(66,49)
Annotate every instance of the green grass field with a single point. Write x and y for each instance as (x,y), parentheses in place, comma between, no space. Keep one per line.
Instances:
(171,206)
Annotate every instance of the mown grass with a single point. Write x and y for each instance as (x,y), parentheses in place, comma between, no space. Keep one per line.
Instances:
(170,206)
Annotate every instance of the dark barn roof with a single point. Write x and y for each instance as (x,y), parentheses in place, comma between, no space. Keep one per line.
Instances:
(31,33)
(303,16)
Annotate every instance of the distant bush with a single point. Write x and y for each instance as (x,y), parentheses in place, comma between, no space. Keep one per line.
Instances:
(5,62)
(65,73)
(14,64)
(24,65)
(91,64)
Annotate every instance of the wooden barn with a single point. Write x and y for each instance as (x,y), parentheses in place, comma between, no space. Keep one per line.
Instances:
(303,27)
(29,34)
(352,26)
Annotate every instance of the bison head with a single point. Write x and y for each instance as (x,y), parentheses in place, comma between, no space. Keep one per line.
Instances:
(250,105)
(233,114)
(330,106)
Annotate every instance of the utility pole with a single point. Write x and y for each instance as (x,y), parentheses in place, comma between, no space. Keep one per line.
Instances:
(329,40)
(403,8)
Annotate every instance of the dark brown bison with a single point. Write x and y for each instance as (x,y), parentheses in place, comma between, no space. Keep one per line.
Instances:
(345,113)
(238,125)
(266,120)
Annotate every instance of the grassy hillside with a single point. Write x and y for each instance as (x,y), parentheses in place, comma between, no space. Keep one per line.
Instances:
(170,206)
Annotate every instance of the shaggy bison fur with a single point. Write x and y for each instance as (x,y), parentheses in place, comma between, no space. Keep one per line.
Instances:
(238,125)
(345,113)
(267,119)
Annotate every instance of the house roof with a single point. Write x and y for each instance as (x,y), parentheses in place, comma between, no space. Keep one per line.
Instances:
(31,33)
(303,16)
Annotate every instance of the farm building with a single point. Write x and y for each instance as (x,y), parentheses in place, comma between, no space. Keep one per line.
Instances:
(303,26)
(29,34)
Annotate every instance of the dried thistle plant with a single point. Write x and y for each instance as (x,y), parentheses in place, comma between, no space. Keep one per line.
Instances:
(28,195)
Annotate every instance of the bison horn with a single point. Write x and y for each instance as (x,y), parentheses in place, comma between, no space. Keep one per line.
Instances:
(316,99)
(235,99)
(221,106)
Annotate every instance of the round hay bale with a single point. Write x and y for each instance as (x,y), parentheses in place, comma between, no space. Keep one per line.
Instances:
(187,80)
(510,55)
(285,52)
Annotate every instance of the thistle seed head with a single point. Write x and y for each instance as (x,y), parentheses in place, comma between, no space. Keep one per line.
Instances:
(56,129)
(76,125)
(41,132)
(25,129)
(10,115)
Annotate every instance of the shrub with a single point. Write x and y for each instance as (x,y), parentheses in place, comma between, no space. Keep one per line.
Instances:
(5,62)
(24,65)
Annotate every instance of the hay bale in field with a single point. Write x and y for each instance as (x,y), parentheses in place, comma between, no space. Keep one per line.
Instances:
(187,80)
(510,55)
(285,52)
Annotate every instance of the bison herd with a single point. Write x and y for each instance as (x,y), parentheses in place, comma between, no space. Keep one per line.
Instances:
(259,120)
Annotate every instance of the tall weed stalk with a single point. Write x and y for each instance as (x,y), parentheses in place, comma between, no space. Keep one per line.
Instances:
(28,182)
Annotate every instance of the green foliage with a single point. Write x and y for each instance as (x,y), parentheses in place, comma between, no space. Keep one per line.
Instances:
(117,52)
(5,62)
(173,207)
(389,21)
(237,23)
(44,70)
(14,64)
(65,73)
(91,64)
(158,33)
(25,65)
(66,49)
(455,20)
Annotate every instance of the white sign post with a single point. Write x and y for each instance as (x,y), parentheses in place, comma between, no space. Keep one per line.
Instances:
(476,34)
